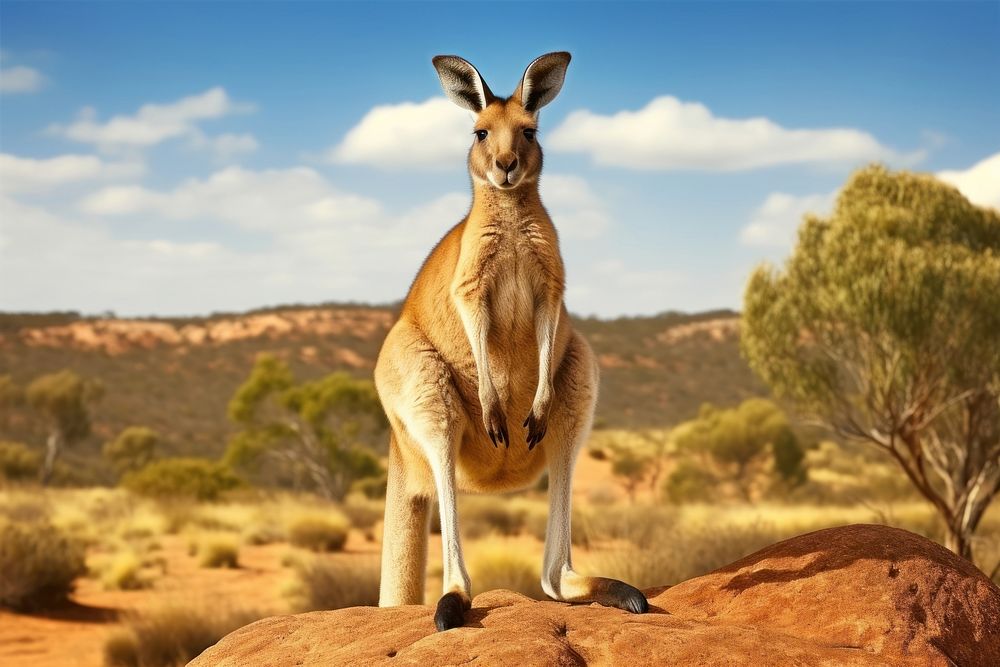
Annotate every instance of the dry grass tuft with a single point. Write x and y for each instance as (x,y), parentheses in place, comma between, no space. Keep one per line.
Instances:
(334,582)
(319,532)
(38,564)
(496,563)
(171,636)
(218,550)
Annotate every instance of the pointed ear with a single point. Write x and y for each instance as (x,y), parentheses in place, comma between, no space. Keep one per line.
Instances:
(543,80)
(462,83)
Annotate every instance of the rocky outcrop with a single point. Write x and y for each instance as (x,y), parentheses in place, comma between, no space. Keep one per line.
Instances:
(856,595)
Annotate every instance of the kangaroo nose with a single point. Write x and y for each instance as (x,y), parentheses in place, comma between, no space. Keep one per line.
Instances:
(508,168)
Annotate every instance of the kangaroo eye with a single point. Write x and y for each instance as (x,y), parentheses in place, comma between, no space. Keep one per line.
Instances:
(481,134)
(529,134)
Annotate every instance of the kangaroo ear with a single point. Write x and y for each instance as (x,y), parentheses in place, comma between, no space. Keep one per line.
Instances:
(543,80)
(462,83)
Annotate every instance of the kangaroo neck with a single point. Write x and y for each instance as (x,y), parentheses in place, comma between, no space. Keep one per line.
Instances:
(498,206)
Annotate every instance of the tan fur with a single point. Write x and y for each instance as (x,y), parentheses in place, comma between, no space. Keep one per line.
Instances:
(484,342)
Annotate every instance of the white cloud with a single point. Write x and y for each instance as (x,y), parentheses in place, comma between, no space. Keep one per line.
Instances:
(614,286)
(152,124)
(672,134)
(24,175)
(310,242)
(576,210)
(278,200)
(776,221)
(980,182)
(434,133)
(226,147)
(20,79)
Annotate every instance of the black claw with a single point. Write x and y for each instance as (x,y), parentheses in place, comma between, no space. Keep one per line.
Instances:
(493,437)
(450,611)
(526,421)
(629,598)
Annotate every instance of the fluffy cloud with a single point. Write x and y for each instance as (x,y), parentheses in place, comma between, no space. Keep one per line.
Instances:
(980,182)
(226,147)
(29,175)
(776,221)
(672,134)
(610,287)
(576,210)
(434,133)
(272,236)
(276,200)
(152,124)
(20,79)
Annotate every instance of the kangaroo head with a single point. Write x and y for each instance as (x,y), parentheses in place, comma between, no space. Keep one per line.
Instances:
(505,152)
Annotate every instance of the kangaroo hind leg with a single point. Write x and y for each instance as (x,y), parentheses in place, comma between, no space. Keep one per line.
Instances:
(404,541)
(575,395)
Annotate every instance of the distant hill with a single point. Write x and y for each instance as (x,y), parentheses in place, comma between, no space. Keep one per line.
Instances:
(177,375)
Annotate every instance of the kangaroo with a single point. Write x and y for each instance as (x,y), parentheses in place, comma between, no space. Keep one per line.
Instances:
(483,337)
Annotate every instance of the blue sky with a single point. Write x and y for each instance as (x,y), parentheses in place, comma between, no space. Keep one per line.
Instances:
(193,157)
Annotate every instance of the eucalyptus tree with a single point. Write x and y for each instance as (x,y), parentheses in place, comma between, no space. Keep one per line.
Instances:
(885,324)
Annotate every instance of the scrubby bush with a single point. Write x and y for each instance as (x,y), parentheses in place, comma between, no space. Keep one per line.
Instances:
(319,532)
(199,479)
(264,532)
(372,487)
(362,511)
(537,518)
(17,462)
(218,551)
(481,515)
(123,572)
(170,637)
(38,564)
(324,582)
(133,449)
(495,564)
(689,482)
(642,525)
(686,551)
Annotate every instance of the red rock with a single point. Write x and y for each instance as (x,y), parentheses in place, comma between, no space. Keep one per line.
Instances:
(856,595)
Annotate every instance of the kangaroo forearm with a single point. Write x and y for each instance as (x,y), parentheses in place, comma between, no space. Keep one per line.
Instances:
(476,321)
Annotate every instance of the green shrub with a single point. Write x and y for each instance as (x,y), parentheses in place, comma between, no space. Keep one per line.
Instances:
(133,449)
(38,564)
(689,482)
(327,532)
(170,637)
(325,582)
(199,479)
(17,462)
(372,488)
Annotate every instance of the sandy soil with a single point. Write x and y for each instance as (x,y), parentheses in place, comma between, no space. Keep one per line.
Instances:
(74,635)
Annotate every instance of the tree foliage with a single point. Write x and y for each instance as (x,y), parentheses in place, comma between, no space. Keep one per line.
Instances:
(885,324)
(64,401)
(134,448)
(192,478)
(18,462)
(740,441)
(315,429)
